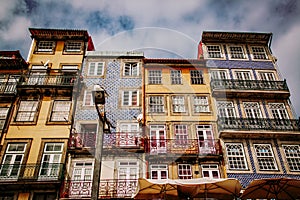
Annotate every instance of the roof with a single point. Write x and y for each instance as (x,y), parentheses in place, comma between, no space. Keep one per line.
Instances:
(59,34)
(173,61)
(12,60)
(114,54)
(240,37)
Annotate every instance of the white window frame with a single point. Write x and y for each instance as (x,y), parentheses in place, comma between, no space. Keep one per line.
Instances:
(219,74)
(73,46)
(210,51)
(226,109)
(155,77)
(197,77)
(292,155)
(181,134)
(3,115)
(131,69)
(185,171)
(236,160)
(210,169)
(200,104)
(278,111)
(252,110)
(159,169)
(45,46)
(27,113)
(265,157)
(51,161)
(128,98)
(243,75)
(178,104)
(267,76)
(60,111)
(234,55)
(96,69)
(176,77)
(259,55)
(88,98)
(156,104)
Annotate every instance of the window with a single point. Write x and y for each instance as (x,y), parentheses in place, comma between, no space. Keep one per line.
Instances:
(88,98)
(278,110)
(44,196)
(176,77)
(259,53)
(206,141)
(292,154)
(96,69)
(27,111)
(181,134)
(73,46)
(154,77)
(158,139)
(184,171)
(267,76)
(12,160)
(219,74)
(156,104)
(265,157)
(236,52)
(252,110)
(226,109)
(128,135)
(178,104)
(210,171)
(130,98)
(159,171)
(196,77)
(200,104)
(243,75)
(51,160)
(3,114)
(60,111)
(45,46)
(236,156)
(214,51)
(127,170)
(131,69)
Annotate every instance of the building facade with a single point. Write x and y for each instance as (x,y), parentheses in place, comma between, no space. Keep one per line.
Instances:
(34,148)
(255,118)
(122,163)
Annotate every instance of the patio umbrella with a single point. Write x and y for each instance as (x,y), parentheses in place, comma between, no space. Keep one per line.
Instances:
(151,188)
(273,188)
(210,188)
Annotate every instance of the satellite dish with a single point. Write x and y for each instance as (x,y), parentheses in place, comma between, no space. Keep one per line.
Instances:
(139,118)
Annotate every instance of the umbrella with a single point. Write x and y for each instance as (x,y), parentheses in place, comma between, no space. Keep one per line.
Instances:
(153,188)
(272,188)
(210,188)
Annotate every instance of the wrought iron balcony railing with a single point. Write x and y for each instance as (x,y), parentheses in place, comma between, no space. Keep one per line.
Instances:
(258,124)
(49,80)
(40,172)
(8,88)
(109,188)
(232,84)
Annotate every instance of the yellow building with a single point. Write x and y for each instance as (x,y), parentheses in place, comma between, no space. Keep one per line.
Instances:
(180,120)
(34,150)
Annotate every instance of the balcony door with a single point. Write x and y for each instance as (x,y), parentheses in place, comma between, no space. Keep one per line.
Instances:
(37,77)
(82,176)
(128,135)
(88,134)
(128,175)
(51,161)
(158,139)
(12,161)
(206,141)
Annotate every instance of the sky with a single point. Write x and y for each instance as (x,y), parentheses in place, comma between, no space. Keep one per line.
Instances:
(160,28)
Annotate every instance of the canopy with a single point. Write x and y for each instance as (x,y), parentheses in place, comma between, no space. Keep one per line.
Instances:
(273,188)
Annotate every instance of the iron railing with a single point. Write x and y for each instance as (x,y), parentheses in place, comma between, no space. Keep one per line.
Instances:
(248,85)
(8,88)
(40,172)
(108,188)
(258,124)
(49,80)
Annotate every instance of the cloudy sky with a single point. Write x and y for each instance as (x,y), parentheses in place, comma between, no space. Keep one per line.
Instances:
(160,28)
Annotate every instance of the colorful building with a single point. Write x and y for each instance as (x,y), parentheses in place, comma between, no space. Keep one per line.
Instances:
(255,118)
(34,148)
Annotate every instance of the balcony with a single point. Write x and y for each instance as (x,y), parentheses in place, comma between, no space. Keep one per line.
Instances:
(109,188)
(252,124)
(31,172)
(8,88)
(249,88)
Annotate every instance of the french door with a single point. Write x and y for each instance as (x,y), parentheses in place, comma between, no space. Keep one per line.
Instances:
(158,139)
(206,141)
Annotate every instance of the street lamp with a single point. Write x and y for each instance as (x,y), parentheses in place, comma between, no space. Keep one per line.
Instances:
(99,99)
